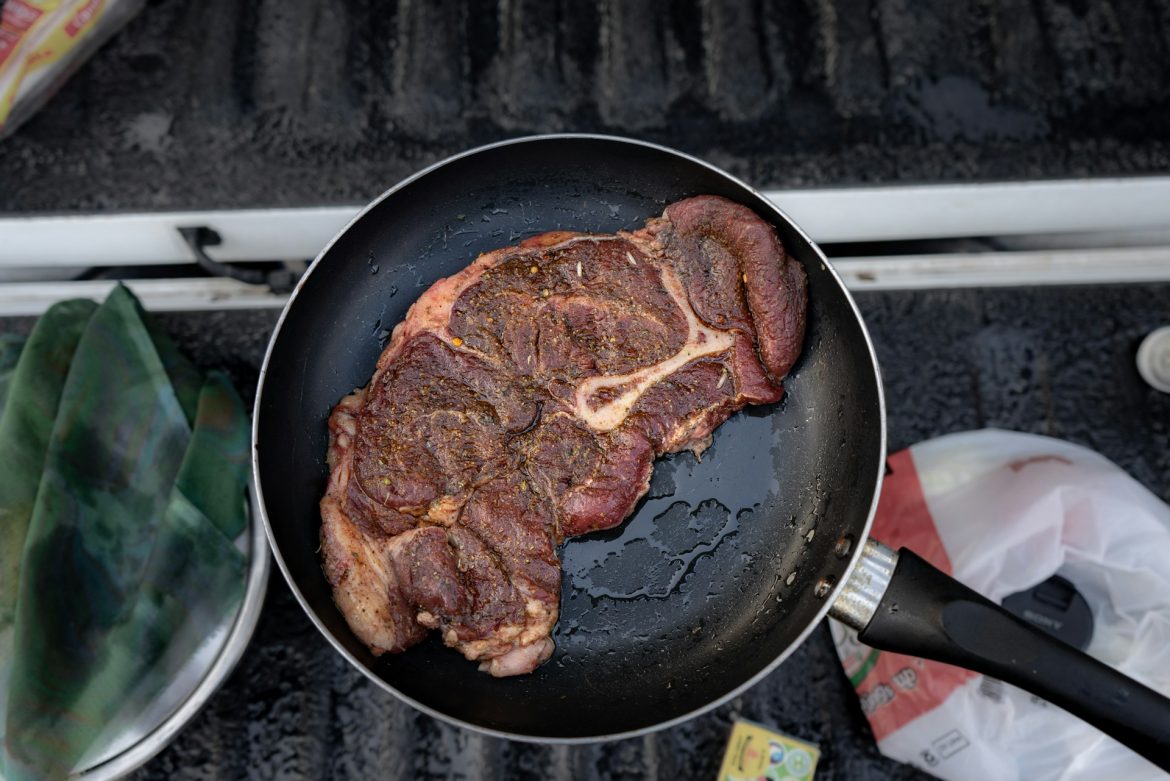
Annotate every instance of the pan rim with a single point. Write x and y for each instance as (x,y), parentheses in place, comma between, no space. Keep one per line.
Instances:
(801,637)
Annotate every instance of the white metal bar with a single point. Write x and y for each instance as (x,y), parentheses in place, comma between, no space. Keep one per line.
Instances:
(1006,269)
(906,272)
(992,209)
(828,215)
(159,295)
(149,239)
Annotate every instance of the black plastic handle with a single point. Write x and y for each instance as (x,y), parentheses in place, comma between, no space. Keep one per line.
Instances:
(929,614)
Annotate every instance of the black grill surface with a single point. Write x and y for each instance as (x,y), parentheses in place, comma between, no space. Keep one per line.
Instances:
(296,102)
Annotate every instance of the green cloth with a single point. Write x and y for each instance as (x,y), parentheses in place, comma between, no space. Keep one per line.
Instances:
(32,394)
(10,346)
(129,558)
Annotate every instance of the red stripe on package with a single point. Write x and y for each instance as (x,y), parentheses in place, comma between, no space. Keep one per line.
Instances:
(897,689)
(15,20)
(83,17)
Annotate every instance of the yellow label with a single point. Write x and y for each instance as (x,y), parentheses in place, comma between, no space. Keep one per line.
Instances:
(755,753)
(34,36)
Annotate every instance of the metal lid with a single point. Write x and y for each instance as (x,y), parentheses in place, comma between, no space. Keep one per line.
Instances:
(1153,359)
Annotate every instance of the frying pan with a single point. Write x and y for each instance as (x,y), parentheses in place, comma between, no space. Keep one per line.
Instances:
(728,563)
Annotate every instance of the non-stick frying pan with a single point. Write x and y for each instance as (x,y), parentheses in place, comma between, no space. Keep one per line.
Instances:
(728,563)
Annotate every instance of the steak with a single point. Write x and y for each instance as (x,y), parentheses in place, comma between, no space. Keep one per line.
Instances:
(523,401)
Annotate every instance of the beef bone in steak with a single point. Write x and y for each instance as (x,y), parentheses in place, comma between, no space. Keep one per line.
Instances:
(523,400)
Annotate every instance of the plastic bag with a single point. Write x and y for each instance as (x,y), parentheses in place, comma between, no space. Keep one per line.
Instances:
(1003,512)
(43,41)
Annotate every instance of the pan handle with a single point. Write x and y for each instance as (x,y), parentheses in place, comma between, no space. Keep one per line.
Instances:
(898,602)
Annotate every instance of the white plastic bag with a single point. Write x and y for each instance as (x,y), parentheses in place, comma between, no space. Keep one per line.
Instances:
(1003,512)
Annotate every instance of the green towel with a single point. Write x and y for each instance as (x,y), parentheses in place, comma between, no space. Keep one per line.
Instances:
(10,347)
(31,397)
(129,558)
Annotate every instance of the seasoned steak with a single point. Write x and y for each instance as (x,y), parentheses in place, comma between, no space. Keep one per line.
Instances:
(524,400)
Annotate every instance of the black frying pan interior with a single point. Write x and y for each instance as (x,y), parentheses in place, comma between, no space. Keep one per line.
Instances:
(714,578)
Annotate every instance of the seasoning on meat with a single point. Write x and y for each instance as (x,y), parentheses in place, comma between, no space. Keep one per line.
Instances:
(513,409)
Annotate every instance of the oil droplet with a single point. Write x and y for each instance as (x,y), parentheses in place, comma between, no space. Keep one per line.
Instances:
(843,546)
(532,269)
(457,342)
(824,586)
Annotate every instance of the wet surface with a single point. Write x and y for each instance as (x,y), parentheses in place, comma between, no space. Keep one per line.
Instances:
(294,103)
(1055,361)
(687,559)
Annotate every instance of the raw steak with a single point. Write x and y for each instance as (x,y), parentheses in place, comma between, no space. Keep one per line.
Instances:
(523,401)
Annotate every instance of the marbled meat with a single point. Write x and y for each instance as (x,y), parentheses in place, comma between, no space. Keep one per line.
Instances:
(524,399)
